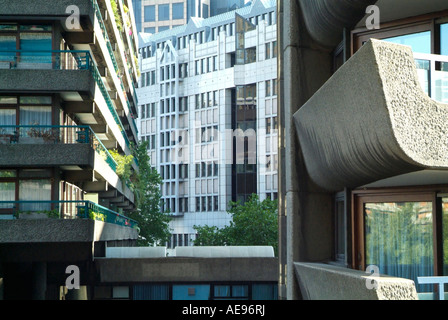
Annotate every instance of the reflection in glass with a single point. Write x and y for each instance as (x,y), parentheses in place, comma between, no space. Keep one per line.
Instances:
(399,239)
(444,39)
(419,42)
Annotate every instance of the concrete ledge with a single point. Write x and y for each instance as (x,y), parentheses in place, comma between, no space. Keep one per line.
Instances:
(59,230)
(327,282)
(371,121)
(44,155)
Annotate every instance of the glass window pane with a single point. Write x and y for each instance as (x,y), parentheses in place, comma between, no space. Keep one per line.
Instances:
(164,12)
(150,13)
(35,100)
(398,239)
(35,190)
(178,10)
(35,115)
(7,193)
(7,117)
(444,39)
(222,291)
(419,42)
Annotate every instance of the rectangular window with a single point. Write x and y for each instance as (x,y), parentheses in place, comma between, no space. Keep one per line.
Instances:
(35,190)
(407,253)
(444,39)
(164,12)
(150,13)
(419,42)
(178,10)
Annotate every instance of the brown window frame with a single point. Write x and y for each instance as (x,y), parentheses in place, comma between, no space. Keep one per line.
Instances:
(426,22)
(406,194)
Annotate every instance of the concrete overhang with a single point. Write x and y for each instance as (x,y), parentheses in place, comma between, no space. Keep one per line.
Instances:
(56,9)
(325,20)
(43,80)
(62,230)
(372,121)
(46,155)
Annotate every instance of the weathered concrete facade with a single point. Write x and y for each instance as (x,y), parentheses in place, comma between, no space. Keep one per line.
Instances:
(345,131)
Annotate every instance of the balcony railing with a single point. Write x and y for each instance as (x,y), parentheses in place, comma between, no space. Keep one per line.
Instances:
(432,71)
(39,134)
(55,60)
(61,60)
(62,210)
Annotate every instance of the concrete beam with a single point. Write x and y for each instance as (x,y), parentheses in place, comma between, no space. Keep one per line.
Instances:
(79,37)
(78,176)
(94,186)
(79,106)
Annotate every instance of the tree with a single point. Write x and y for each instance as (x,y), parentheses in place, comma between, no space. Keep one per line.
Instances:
(153,224)
(253,223)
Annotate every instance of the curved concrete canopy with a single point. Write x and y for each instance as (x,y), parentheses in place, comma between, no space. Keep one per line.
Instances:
(326,19)
(371,121)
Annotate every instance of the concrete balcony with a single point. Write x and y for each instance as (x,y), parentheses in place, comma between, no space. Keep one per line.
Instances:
(372,124)
(77,150)
(76,77)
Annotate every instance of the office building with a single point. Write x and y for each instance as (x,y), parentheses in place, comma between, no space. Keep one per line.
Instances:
(153,16)
(363,126)
(67,98)
(208,107)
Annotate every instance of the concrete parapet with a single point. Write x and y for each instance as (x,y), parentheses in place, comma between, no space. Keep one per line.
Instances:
(320,281)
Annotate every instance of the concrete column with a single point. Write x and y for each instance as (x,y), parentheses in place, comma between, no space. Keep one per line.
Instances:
(39,281)
(305,211)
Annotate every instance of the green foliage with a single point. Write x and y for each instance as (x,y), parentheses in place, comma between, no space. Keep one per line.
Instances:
(124,164)
(117,16)
(253,223)
(153,224)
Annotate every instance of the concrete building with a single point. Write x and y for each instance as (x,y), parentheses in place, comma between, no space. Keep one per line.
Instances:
(67,77)
(208,107)
(159,15)
(363,167)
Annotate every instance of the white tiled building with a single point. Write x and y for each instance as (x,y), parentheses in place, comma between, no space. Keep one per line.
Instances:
(205,88)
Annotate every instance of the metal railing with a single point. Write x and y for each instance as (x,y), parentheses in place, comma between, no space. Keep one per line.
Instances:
(63,210)
(61,60)
(41,134)
(432,71)
(45,59)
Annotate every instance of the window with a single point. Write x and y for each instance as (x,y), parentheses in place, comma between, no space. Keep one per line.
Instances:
(267,51)
(419,42)
(268,88)
(163,28)
(36,38)
(396,234)
(444,39)
(164,12)
(178,10)
(150,13)
(150,30)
